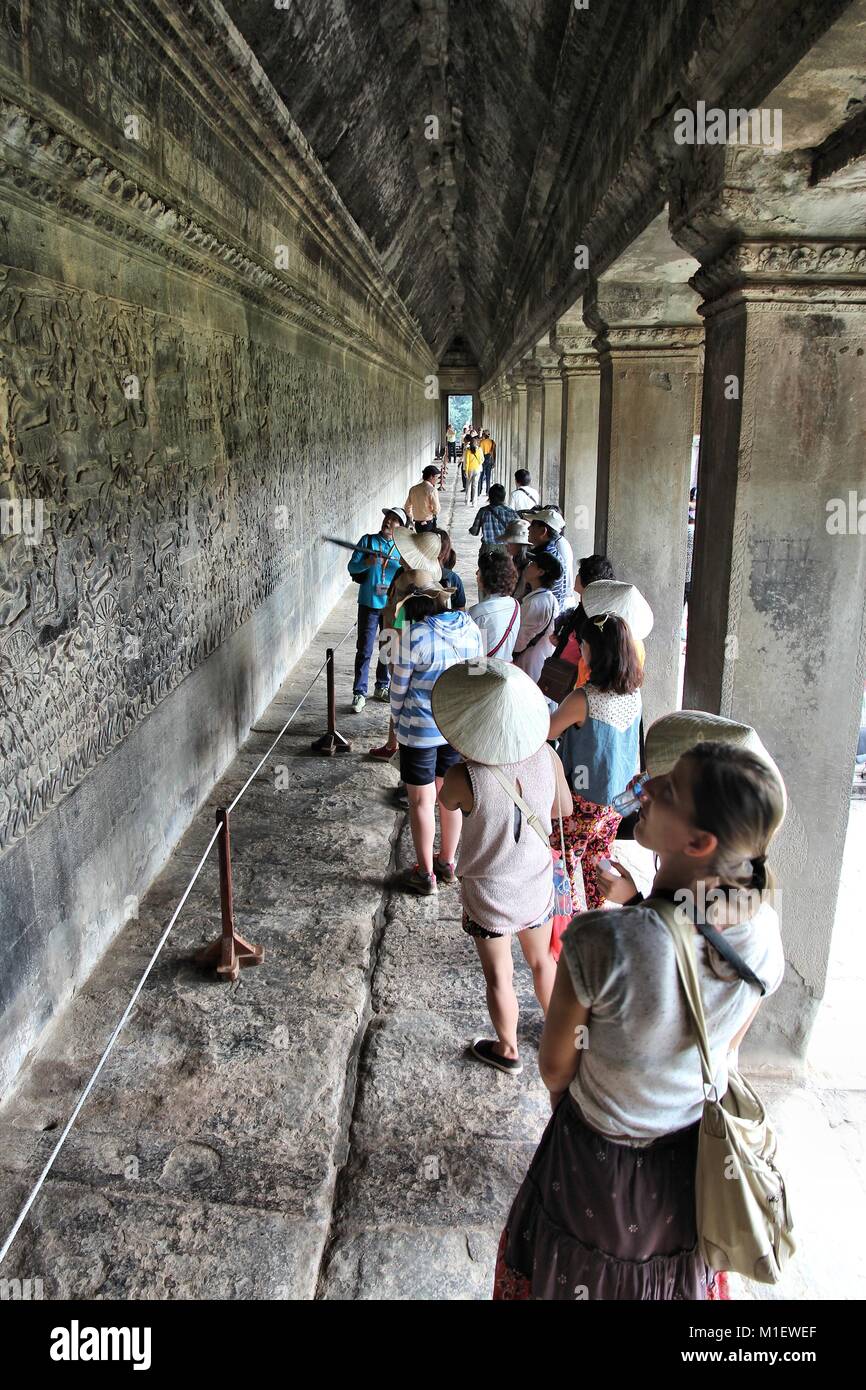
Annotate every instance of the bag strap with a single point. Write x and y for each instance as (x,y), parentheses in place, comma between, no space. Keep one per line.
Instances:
(507,630)
(528,812)
(687,966)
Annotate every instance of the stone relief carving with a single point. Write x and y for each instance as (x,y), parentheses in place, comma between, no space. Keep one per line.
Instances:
(787,262)
(162,532)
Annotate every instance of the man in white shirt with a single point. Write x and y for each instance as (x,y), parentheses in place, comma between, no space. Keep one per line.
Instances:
(523,497)
(546,527)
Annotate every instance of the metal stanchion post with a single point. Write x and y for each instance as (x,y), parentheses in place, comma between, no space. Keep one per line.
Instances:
(331,742)
(230,949)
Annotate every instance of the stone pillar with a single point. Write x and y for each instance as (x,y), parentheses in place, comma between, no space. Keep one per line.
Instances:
(518,420)
(646,417)
(551,440)
(534,420)
(504,402)
(776,615)
(578,473)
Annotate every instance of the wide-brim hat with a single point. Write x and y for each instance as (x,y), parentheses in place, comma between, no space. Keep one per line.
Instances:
(624,600)
(419,550)
(548,516)
(515,533)
(675,734)
(490,711)
(399,513)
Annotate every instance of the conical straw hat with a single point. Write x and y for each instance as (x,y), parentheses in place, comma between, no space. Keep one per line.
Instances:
(674,734)
(419,550)
(490,711)
(623,600)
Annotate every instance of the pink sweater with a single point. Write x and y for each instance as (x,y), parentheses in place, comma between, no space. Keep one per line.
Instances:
(507,884)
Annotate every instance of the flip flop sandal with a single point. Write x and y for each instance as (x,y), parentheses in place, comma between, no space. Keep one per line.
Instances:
(482,1048)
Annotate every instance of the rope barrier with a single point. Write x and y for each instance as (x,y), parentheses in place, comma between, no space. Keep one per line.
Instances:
(223,823)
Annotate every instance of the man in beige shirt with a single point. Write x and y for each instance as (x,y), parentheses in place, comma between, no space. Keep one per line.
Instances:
(422,504)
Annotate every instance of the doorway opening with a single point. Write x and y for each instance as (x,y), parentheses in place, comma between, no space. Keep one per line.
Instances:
(459,413)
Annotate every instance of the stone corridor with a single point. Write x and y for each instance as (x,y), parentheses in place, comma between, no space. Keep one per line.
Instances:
(252,255)
(315,1130)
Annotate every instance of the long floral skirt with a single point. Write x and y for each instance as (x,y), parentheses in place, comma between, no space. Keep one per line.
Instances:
(589,835)
(598,1220)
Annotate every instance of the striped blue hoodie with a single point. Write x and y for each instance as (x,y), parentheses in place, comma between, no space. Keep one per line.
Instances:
(433,645)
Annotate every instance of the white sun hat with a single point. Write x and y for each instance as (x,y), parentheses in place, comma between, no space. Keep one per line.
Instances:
(623,600)
(490,711)
(548,516)
(419,550)
(674,734)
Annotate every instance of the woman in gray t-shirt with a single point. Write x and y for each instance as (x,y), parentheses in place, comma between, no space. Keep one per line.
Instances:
(607,1210)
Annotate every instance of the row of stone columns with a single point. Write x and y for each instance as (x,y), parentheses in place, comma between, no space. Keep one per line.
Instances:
(762,355)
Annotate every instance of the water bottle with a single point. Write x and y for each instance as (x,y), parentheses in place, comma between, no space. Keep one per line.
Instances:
(627,802)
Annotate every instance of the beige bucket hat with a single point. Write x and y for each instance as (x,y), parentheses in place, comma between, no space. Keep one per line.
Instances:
(419,550)
(490,711)
(674,734)
(623,600)
(516,533)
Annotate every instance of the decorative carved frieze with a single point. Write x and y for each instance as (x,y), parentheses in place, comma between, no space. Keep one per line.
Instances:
(783,264)
(668,337)
(171,510)
(70,181)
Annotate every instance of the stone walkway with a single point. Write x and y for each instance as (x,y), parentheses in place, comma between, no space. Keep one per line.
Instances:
(316,1130)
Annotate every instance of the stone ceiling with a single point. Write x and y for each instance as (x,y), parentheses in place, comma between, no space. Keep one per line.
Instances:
(361,80)
(543,113)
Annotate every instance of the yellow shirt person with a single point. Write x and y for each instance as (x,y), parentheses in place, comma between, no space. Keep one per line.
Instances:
(473,460)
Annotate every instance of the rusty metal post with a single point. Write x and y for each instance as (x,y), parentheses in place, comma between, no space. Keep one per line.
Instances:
(331,742)
(230,951)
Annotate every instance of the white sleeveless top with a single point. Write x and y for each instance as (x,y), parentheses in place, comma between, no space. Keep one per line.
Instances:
(507,883)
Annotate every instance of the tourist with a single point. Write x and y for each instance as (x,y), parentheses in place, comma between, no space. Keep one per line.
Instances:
(515,542)
(433,639)
(373,574)
(605,596)
(419,563)
(473,462)
(450,578)
(498,613)
(607,1209)
(422,504)
(494,519)
(599,729)
(450,445)
(546,527)
(569,625)
(524,498)
(488,449)
(538,609)
(690,542)
(497,720)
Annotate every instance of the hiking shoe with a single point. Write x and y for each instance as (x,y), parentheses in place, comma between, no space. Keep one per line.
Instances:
(446,873)
(482,1048)
(382,692)
(414,881)
(358,703)
(383,754)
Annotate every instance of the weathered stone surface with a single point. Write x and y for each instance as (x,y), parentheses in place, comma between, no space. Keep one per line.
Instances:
(200,358)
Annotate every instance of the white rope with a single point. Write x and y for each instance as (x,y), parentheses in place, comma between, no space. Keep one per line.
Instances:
(162,940)
(259,767)
(103,1059)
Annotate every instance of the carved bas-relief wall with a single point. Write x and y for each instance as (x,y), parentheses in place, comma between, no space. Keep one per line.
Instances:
(187,403)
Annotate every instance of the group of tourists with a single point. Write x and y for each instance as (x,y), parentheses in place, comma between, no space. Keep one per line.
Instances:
(520,718)
(477,459)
